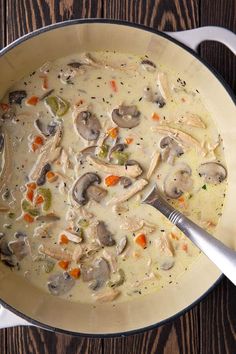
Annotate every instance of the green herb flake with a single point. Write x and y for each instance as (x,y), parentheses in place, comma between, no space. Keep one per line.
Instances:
(121,157)
(47,196)
(11,215)
(204,187)
(103,151)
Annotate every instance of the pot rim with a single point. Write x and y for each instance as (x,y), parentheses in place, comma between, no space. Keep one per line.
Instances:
(232,96)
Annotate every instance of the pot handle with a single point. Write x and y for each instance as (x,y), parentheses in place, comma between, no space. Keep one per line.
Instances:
(192,38)
(9,319)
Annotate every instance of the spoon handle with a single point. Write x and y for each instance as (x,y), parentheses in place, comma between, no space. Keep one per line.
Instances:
(223,257)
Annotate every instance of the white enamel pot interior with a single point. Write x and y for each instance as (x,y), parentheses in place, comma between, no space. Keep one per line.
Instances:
(58,40)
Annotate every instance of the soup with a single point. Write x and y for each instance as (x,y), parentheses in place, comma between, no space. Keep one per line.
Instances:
(83,139)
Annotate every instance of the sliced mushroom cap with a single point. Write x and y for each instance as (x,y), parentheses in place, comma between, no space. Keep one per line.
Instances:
(125,182)
(87,125)
(126,116)
(103,234)
(79,191)
(17,96)
(96,193)
(50,130)
(98,273)
(115,148)
(121,245)
(171,149)
(60,283)
(19,248)
(213,172)
(178,181)
(42,177)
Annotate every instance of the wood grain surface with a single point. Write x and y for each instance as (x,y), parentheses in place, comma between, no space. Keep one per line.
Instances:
(210,327)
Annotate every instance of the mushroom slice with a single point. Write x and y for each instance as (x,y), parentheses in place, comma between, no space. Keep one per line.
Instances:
(121,245)
(153,164)
(96,193)
(178,181)
(191,119)
(48,154)
(125,182)
(126,116)
(87,125)
(60,283)
(148,65)
(79,190)
(103,235)
(117,170)
(163,85)
(116,148)
(19,248)
(107,295)
(17,96)
(182,138)
(99,272)
(56,252)
(135,188)
(170,149)
(213,172)
(50,217)
(90,150)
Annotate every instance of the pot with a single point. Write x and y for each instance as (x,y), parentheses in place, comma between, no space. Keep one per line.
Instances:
(28,304)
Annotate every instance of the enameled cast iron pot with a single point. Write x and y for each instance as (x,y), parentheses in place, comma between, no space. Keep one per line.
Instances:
(31,51)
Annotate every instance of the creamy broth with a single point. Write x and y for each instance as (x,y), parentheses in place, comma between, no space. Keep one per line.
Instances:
(114,248)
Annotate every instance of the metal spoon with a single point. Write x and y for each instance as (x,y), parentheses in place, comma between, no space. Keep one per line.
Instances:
(223,257)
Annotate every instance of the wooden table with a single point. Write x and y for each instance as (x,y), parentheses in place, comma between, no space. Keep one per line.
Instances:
(210,327)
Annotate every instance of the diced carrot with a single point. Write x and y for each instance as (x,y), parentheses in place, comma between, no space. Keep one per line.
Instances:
(38,139)
(113,86)
(184,247)
(63,264)
(4,107)
(63,240)
(30,194)
(33,100)
(34,147)
(51,176)
(155,116)
(75,273)
(39,199)
(45,83)
(141,240)
(181,199)
(113,132)
(111,180)
(28,218)
(129,140)
(31,185)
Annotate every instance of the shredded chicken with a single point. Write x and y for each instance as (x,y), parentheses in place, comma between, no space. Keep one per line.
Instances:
(191,119)
(106,295)
(183,139)
(42,231)
(135,188)
(55,252)
(77,254)
(153,164)
(72,236)
(48,154)
(164,245)
(132,224)
(120,208)
(117,170)
(65,161)
(7,160)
